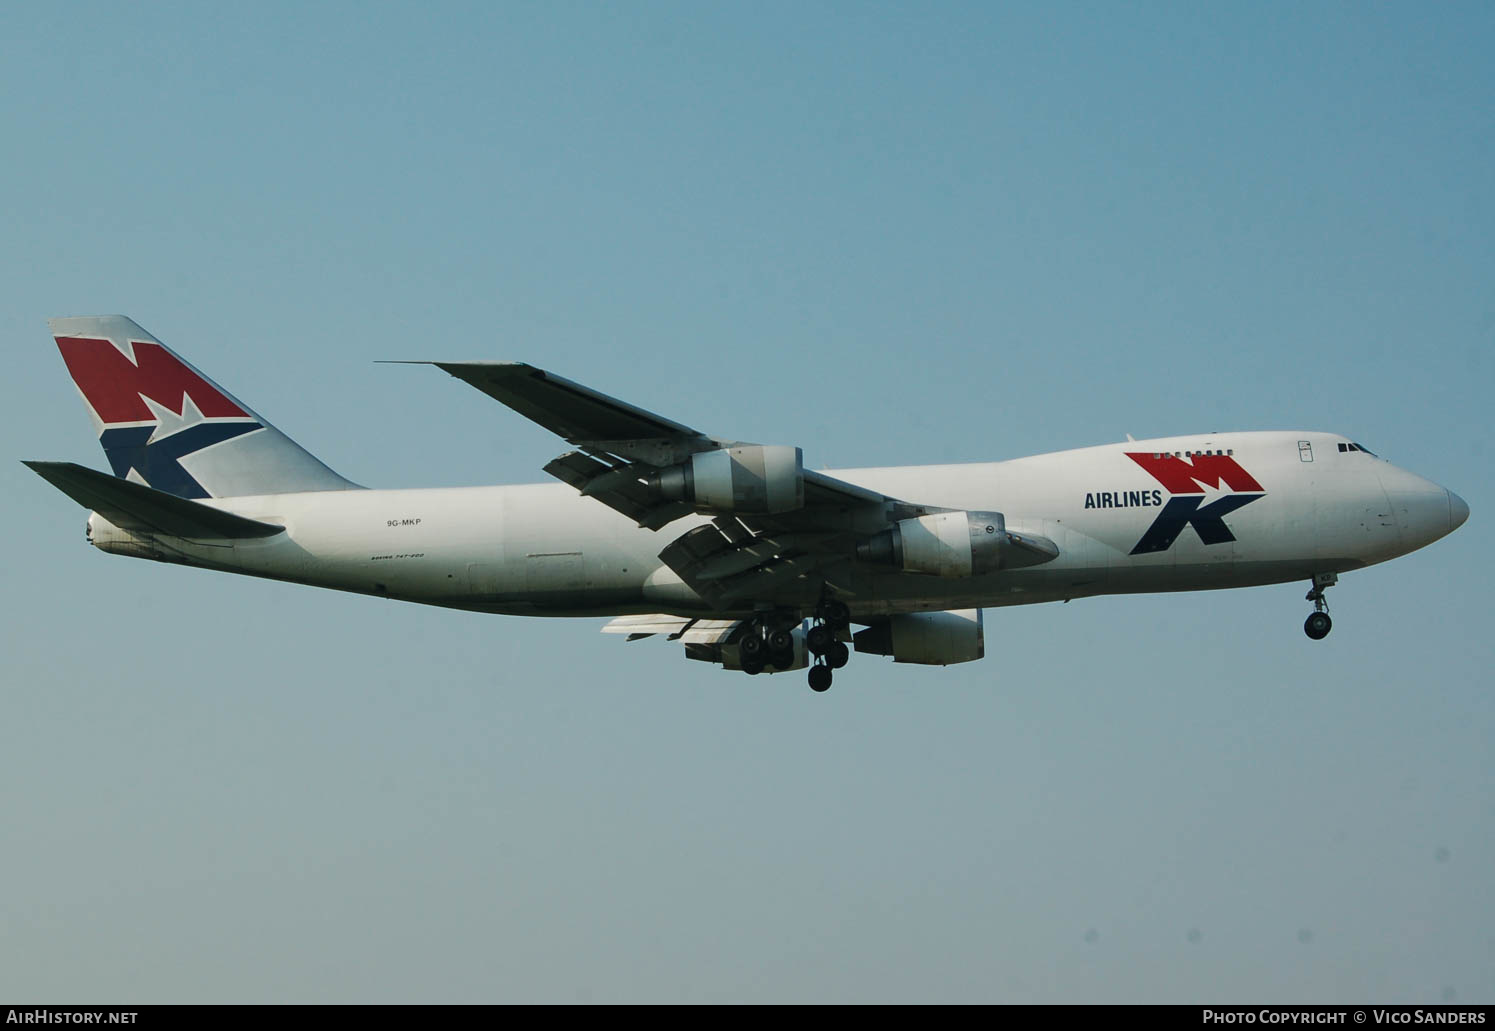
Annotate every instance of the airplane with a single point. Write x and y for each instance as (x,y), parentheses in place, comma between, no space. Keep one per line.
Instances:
(737,550)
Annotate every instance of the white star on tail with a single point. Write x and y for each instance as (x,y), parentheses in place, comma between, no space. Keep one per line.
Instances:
(169,422)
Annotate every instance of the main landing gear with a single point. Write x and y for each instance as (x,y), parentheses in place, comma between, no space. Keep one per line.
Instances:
(1318,624)
(760,649)
(767,641)
(823,641)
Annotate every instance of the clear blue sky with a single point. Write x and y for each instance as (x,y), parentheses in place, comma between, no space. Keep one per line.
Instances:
(890,233)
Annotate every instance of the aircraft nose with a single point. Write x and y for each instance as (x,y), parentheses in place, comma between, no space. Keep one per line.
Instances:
(1423,510)
(1458,511)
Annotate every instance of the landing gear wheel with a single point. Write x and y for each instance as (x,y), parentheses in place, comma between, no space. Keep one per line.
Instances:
(780,642)
(836,612)
(750,647)
(837,655)
(1318,625)
(820,678)
(818,639)
(781,660)
(752,667)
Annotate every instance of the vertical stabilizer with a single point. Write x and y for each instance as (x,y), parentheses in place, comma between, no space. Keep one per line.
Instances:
(166,425)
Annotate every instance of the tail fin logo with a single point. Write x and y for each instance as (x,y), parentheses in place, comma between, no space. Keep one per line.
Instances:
(154,410)
(138,384)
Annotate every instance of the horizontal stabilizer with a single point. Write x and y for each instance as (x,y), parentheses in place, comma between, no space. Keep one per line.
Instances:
(133,506)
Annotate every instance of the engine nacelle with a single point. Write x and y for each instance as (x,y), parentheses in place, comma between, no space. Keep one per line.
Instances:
(944,544)
(956,544)
(752,478)
(927,638)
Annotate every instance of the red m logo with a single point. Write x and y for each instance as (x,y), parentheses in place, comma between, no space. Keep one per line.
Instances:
(1190,476)
(113,384)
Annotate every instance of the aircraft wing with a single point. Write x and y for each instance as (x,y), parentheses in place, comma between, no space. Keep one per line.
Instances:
(603,425)
(570,410)
(777,529)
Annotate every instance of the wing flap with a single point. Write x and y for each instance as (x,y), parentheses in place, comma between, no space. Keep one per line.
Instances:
(134,506)
(690,630)
(726,565)
(619,487)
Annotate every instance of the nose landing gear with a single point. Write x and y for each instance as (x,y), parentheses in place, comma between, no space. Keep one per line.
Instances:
(1318,624)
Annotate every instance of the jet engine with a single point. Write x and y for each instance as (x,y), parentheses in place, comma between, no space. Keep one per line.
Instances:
(927,638)
(751,478)
(956,544)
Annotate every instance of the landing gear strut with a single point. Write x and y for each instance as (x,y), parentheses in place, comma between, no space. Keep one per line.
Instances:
(831,619)
(1318,624)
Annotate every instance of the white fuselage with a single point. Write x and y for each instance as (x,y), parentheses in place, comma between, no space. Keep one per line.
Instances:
(546,550)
